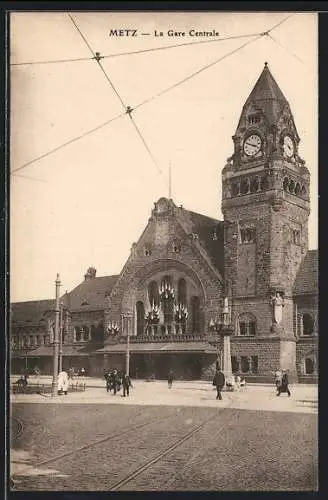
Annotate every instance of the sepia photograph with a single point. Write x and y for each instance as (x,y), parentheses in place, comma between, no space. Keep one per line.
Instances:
(163,322)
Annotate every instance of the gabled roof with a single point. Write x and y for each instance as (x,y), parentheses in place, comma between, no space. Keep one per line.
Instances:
(211,235)
(306,281)
(90,294)
(30,313)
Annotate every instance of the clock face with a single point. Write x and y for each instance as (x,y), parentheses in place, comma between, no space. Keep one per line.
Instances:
(288,146)
(252,145)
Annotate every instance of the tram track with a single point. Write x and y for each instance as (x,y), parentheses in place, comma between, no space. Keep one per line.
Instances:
(120,433)
(157,438)
(147,465)
(16,428)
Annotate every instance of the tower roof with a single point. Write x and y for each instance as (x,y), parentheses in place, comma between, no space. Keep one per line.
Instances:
(267,96)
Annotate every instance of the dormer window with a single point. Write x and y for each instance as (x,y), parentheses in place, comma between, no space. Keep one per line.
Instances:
(147,251)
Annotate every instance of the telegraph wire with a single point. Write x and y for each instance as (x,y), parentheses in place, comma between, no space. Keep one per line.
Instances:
(128,109)
(195,73)
(30,178)
(145,144)
(142,51)
(97,58)
(285,48)
(57,148)
(135,52)
(54,61)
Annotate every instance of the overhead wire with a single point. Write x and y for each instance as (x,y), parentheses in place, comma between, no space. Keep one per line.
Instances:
(187,78)
(285,48)
(143,102)
(30,178)
(128,110)
(98,61)
(145,144)
(57,148)
(135,52)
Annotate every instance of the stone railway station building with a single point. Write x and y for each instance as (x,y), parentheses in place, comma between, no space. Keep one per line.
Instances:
(186,267)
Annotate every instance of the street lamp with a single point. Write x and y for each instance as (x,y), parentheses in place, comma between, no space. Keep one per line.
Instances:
(215,327)
(61,338)
(56,341)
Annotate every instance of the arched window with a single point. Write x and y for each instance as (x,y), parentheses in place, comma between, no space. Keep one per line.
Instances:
(309,366)
(195,314)
(264,183)
(254,185)
(307,324)
(303,190)
(153,293)
(298,189)
(140,311)
(291,187)
(244,187)
(246,325)
(77,334)
(182,291)
(285,184)
(235,188)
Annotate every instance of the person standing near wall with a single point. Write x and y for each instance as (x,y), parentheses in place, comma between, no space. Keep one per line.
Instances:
(170,379)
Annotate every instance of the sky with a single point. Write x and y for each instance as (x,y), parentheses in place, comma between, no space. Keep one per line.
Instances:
(86,203)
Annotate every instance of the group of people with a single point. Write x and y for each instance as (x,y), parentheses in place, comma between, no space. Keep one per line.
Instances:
(80,372)
(115,380)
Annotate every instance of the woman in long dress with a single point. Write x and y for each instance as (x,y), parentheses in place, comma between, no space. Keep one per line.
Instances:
(62,382)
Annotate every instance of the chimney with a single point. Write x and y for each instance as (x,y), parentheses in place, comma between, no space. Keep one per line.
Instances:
(90,274)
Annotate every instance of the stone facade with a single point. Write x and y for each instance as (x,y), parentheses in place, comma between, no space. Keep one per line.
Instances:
(168,298)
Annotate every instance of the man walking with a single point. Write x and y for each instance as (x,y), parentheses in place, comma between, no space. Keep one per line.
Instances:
(284,384)
(126,383)
(219,380)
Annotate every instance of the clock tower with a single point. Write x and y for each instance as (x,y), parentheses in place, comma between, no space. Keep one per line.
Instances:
(265,203)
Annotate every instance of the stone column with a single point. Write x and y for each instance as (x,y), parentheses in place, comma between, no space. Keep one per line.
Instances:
(226,368)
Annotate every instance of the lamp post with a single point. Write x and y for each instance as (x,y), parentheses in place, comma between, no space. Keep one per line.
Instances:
(127,352)
(56,341)
(215,328)
(222,328)
(61,338)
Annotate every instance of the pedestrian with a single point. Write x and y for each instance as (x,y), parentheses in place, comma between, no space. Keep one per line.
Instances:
(82,372)
(218,381)
(170,379)
(126,383)
(114,381)
(62,382)
(278,378)
(108,380)
(71,373)
(238,380)
(284,384)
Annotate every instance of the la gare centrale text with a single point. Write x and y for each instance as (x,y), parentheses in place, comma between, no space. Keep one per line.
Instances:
(157,33)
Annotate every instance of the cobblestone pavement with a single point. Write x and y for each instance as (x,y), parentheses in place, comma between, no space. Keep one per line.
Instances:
(131,445)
